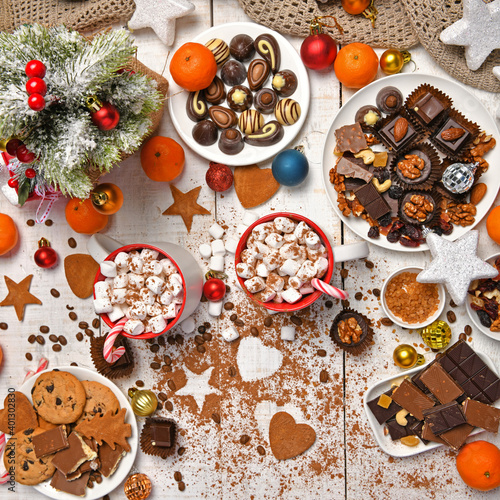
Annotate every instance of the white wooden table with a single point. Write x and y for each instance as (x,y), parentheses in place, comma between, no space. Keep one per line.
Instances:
(345,461)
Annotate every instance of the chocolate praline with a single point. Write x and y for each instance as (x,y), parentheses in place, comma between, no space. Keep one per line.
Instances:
(219,49)
(215,93)
(386,134)
(285,83)
(424,173)
(265,101)
(258,71)
(271,133)
(354,348)
(223,117)
(267,46)
(196,107)
(205,133)
(452,147)
(367,116)
(407,199)
(233,73)
(389,100)
(241,47)
(231,141)
(239,98)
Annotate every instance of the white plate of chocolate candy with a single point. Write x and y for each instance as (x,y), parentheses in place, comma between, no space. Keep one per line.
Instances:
(108,484)
(462,100)
(271,137)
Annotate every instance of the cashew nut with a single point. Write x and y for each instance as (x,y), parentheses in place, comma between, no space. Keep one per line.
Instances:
(367,154)
(382,188)
(400,417)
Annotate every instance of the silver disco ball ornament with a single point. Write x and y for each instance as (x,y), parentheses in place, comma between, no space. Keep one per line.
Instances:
(459,177)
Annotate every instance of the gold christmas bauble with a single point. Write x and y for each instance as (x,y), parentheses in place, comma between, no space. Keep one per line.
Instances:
(107,198)
(437,335)
(143,403)
(137,487)
(405,356)
(392,61)
(3,144)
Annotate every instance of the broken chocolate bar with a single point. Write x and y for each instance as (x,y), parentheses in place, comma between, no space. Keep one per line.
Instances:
(412,399)
(443,418)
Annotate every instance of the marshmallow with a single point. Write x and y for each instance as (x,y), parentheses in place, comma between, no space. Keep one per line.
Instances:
(272,260)
(155,284)
(152,267)
(316,254)
(131,296)
(137,310)
(301,230)
(230,334)
(154,309)
(205,250)
(102,305)
(306,289)
(146,296)
(102,290)
(122,261)
(302,257)
(321,266)
(289,237)
(121,281)
(261,231)
(135,281)
(215,308)
(261,270)
(188,325)
(157,324)
(173,285)
(307,271)
(312,240)
(231,245)
(275,282)
(267,294)
(262,248)
(133,327)
(116,314)
(217,263)
(255,284)
(240,229)
(288,333)
(218,247)
(290,250)
(176,277)
(136,264)
(275,240)
(216,231)
(295,282)
(147,328)
(166,297)
(118,296)
(147,254)
(110,282)
(249,218)
(108,269)
(169,312)
(278,299)
(291,295)
(251,241)
(284,224)
(290,267)
(168,266)
(248,257)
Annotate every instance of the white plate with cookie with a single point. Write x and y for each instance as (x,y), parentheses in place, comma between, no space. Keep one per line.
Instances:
(110,483)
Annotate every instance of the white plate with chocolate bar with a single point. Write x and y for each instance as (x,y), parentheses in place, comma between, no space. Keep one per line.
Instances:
(269,145)
(462,100)
(123,467)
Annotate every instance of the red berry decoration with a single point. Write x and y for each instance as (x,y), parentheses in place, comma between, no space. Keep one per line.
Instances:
(30,173)
(219,177)
(36,102)
(13,183)
(12,146)
(24,155)
(45,256)
(214,289)
(36,85)
(35,68)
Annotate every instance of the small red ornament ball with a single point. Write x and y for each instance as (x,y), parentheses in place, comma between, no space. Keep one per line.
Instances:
(35,68)
(106,118)
(24,155)
(45,257)
(318,51)
(36,85)
(13,183)
(36,102)
(219,177)
(30,173)
(214,289)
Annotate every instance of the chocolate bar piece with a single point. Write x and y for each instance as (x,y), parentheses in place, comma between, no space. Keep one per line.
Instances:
(428,435)
(372,201)
(397,431)
(412,399)
(126,359)
(442,418)
(480,415)
(387,136)
(350,138)
(457,436)
(162,434)
(380,413)
(50,441)
(68,460)
(109,458)
(440,383)
(76,487)
(417,428)
(349,168)
(428,108)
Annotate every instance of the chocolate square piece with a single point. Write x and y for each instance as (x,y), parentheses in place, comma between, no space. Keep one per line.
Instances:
(76,487)
(428,108)
(349,168)
(380,413)
(458,375)
(126,359)
(50,441)
(428,435)
(109,458)
(443,418)
(453,146)
(162,434)
(484,378)
(386,134)
(458,353)
(492,392)
(351,183)
(440,383)
(68,460)
(472,365)
(417,428)
(397,431)
(350,138)
(481,415)
(412,399)
(457,436)
(372,201)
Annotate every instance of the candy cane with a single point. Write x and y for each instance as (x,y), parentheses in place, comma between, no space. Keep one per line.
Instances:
(329,289)
(4,476)
(110,353)
(42,365)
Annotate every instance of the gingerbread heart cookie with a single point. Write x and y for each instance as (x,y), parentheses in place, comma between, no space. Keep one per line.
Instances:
(17,414)
(287,438)
(254,185)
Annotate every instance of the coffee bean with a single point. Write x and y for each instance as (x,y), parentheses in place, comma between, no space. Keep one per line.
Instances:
(207,325)
(32,339)
(62,340)
(72,242)
(79,336)
(29,356)
(177,476)
(261,450)
(161,340)
(96,323)
(452,303)
(216,418)
(169,406)
(181,451)
(171,385)
(344,273)
(181,486)
(44,329)
(69,308)
(3,326)
(254,331)
(451,316)
(386,321)
(232,371)
(83,325)
(239,322)
(321,353)
(358,295)
(49,222)
(179,339)
(296,320)
(89,332)
(56,347)
(30,222)
(199,339)
(155,366)
(207,336)
(244,439)
(323,376)
(167,360)
(201,329)
(159,406)
(73,364)
(228,289)
(329,304)
(233,317)
(55,293)
(468,330)
(171,340)
(40,339)
(462,336)
(90,484)
(345,303)
(162,396)
(201,349)
(154,348)
(105,497)
(376,292)
(268,321)
(369,264)
(72,316)
(52,337)
(228,306)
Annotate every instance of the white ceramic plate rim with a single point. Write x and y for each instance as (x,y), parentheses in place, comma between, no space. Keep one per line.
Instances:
(290,59)
(395,448)
(472,314)
(463,100)
(110,483)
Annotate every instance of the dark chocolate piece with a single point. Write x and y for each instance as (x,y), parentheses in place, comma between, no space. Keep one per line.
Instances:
(443,418)
(271,133)
(258,71)
(372,201)
(410,202)
(287,111)
(265,101)
(417,428)
(350,138)
(440,383)
(481,415)
(393,204)
(75,487)
(223,117)
(109,458)
(196,107)
(452,147)
(242,47)
(389,100)
(233,73)
(366,332)
(267,46)
(351,183)
(387,135)
(412,399)
(68,460)
(215,93)
(397,431)
(50,441)
(349,168)
(428,109)
(250,121)
(239,98)
(126,359)
(231,141)
(205,133)
(219,49)
(285,83)
(456,437)
(380,413)
(162,434)
(428,435)
(367,116)
(422,164)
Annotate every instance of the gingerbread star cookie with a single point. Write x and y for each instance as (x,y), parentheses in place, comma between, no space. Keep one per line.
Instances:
(186,206)
(19,295)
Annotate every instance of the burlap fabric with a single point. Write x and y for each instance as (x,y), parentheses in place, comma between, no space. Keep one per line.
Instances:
(81,15)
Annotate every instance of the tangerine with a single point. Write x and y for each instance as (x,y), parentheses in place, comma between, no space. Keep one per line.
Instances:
(478,464)
(355,6)
(8,234)
(193,66)
(493,224)
(356,65)
(162,159)
(83,218)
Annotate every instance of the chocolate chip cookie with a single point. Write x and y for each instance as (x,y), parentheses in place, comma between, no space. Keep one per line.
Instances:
(20,460)
(99,400)
(58,397)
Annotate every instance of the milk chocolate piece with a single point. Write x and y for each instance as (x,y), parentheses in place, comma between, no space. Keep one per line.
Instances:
(223,117)
(383,414)
(215,93)
(350,138)
(386,134)
(231,141)
(257,73)
(162,433)
(412,399)
(389,100)
(454,146)
(267,46)
(287,111)
(219,49)
(76,487)
(242,47)
(89,465)
(271,133)
(457,436)
(50,441)
(250,121)
(233,73)
(352,168)
(109,458)
(440,383)
(68,460)
(443,418)
(196,107)
(239,98)
(205,133)
(428,435)
(428,108)
(372,201)
(285,82)
(481,415)
(265,101)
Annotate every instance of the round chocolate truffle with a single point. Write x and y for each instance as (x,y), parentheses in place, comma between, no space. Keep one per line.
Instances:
(417,207)
(219,49)
(215,93)
(414,167)
(250,121)
(231,141)
(205,133)
(241,47)
(233,73)
(285,82)
(350,331)
(239,98)
(367,116)
(265,101)
(389,100)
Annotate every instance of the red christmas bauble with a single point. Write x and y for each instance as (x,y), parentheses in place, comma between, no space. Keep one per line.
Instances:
(106,118)
(35,68)
(36,102)
(30,173)
(24,155)
(36,85)
(13,183)
(318,51)
(214,289)
(45,256)
(12,146)
(219,177)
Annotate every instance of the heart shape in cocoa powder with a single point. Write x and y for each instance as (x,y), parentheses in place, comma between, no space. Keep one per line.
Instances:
(256,360)
(254,185)
(287,438)
(17,404)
